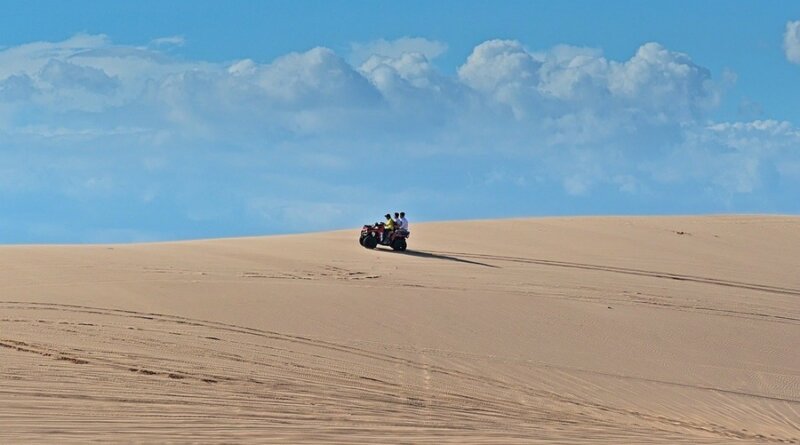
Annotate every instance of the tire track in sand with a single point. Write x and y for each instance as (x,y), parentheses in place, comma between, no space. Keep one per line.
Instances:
(202,369)
(631,271)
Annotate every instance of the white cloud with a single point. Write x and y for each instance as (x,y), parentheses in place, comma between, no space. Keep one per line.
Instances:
(731,157)
(414,89)
(360,52)
(504,71)
(317,77)
(168,41)
(791,41)
(16,87)
(567,118)
(759,135)
(496,63)
(655,82)
(410,67)
(61,74)
(31,57)
(662,81)
(573,74)
(244,67)
(567,94)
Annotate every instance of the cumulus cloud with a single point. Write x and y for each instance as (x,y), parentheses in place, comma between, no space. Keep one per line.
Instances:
(415,91)
(31,57)
(359,52)
(61,74)
(510,123)
(669,81)
(791,41)
(16,87)
(505,72)
(563,91)
(317,77)
(655,82)
(733,157)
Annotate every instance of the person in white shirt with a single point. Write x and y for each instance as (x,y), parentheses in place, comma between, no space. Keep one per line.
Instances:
(403,221)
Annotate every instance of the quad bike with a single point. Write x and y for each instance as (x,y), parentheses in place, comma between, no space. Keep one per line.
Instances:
(372,235)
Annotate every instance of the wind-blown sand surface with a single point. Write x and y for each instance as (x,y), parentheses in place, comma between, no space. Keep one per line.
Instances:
(555,330)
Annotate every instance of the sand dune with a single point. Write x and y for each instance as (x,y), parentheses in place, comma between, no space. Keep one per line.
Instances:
(553,330)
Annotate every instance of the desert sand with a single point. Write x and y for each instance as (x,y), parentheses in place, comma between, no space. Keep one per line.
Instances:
(612,330)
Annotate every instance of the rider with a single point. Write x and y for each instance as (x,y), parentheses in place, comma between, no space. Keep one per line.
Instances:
(388,226)
(403,221)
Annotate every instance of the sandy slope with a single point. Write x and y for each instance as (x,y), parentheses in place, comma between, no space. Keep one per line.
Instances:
(563,330)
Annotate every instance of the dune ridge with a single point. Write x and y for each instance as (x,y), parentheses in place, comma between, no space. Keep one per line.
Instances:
(542,330)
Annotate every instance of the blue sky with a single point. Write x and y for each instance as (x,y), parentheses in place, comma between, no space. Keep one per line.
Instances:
(136,121)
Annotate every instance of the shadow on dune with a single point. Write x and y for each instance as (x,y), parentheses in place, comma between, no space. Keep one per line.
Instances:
(420,254)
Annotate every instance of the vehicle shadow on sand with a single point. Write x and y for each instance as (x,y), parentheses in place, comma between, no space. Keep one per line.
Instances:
(435,256)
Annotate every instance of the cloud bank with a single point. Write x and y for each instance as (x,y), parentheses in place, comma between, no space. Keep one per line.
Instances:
(138,143)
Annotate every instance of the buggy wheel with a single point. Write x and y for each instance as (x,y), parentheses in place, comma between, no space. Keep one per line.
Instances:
(399,244)
(370,242)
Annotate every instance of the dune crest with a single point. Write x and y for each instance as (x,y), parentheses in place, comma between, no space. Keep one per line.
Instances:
(569,330)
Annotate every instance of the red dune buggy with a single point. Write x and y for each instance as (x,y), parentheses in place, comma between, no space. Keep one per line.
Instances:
(372,235)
